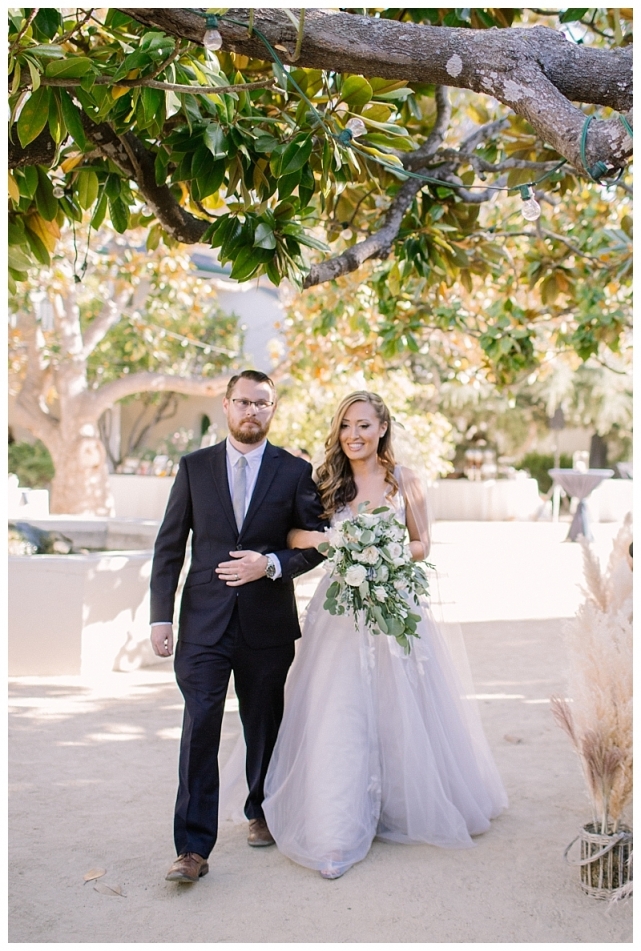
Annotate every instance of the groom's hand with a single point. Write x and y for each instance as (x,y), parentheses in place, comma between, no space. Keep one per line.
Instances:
(162,639)
(246,566)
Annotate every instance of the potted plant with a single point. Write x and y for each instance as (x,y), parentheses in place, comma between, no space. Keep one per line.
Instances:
(598,715)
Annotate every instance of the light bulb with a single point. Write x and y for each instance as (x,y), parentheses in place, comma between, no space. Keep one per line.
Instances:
(212,40)
(357,127)
(530,209)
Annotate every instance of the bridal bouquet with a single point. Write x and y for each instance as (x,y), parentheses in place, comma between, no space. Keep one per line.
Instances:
(373,572)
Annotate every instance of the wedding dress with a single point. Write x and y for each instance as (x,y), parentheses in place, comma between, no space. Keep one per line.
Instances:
(375,742)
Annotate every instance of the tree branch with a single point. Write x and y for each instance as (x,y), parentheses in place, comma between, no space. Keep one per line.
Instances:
(155,84)
(74,29)
(101,325)
(109,393)
(132,158)
(42,151)
(350,43)
(25,26)
(379,243)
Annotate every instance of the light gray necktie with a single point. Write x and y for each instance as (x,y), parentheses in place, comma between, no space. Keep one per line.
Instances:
(239,490)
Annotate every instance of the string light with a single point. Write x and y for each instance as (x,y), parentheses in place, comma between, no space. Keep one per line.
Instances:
(212,40)
(356,126)
(530,209)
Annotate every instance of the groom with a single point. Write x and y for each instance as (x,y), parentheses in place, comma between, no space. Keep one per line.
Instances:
(239,499)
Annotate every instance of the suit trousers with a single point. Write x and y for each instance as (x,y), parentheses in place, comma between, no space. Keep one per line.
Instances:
(202,673)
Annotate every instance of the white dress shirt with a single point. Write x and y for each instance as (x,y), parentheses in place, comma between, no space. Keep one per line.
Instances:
(254,459)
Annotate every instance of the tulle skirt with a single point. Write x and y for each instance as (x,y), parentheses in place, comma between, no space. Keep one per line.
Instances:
(375,742)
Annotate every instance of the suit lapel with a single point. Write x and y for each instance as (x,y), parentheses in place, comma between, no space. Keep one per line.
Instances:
(268,469)
(219,469)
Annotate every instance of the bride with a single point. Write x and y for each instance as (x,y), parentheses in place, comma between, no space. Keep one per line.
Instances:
(373,742)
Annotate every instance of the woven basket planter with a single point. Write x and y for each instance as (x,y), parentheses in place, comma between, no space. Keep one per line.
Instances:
(605,860)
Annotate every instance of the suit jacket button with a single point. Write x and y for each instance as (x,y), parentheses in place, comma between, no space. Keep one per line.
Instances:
(239,547)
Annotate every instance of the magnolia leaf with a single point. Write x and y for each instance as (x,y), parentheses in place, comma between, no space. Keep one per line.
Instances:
(87,188)
(14,191)
(94,873)
(111,890)
(34,116)
(264,236)
(18,260)
(295,156)
(376,112)
(45,199)
(215,141)
(356,91)
(72,119)
(73,67)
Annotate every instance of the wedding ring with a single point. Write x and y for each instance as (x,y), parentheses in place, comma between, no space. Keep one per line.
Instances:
(235,577)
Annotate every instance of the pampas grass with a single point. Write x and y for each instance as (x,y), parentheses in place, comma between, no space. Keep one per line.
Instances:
(598,721)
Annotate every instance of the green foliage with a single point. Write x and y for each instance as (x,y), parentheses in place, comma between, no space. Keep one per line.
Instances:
(32,464)
(306,407)
(278,183)
(538,464)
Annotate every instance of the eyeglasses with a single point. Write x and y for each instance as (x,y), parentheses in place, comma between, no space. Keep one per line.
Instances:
(261,405)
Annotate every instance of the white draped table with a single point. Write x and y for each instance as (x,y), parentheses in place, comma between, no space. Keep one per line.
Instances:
(579,484)
(493,500)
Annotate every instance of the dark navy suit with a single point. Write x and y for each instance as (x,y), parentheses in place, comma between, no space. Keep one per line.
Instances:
(249,630)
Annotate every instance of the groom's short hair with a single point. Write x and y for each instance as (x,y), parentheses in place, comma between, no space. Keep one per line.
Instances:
(257,376)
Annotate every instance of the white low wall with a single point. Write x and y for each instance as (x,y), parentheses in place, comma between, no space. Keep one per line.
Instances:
(112,534)
(79,614)
(137,496)
(83,614)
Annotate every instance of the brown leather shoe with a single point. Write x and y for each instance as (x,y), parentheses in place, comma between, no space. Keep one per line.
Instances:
(188,867)
(259,834)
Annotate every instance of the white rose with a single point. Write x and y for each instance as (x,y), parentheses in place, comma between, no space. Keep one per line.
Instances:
(399,585)
(380,594)
(355,575)
(383,573)
(369,520)
(335,537)
(394,549)
(369,555)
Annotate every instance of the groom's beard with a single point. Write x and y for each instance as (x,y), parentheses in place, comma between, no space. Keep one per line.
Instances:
(249,431)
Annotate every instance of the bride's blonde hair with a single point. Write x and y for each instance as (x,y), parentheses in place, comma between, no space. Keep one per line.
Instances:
(335,478)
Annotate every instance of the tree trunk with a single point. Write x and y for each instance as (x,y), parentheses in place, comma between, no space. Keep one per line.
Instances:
(80,485)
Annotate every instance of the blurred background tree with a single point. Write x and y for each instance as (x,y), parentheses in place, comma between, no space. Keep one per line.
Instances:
(141,325)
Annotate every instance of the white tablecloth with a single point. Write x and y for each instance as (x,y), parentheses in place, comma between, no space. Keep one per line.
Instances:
(494,500)
(611,501)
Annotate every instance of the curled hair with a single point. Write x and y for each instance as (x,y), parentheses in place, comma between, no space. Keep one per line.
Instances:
(335,478)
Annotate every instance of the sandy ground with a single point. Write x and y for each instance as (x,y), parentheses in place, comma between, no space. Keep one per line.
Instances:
(93,776)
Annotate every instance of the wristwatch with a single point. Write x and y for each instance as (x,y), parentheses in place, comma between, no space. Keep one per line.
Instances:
(270,570)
